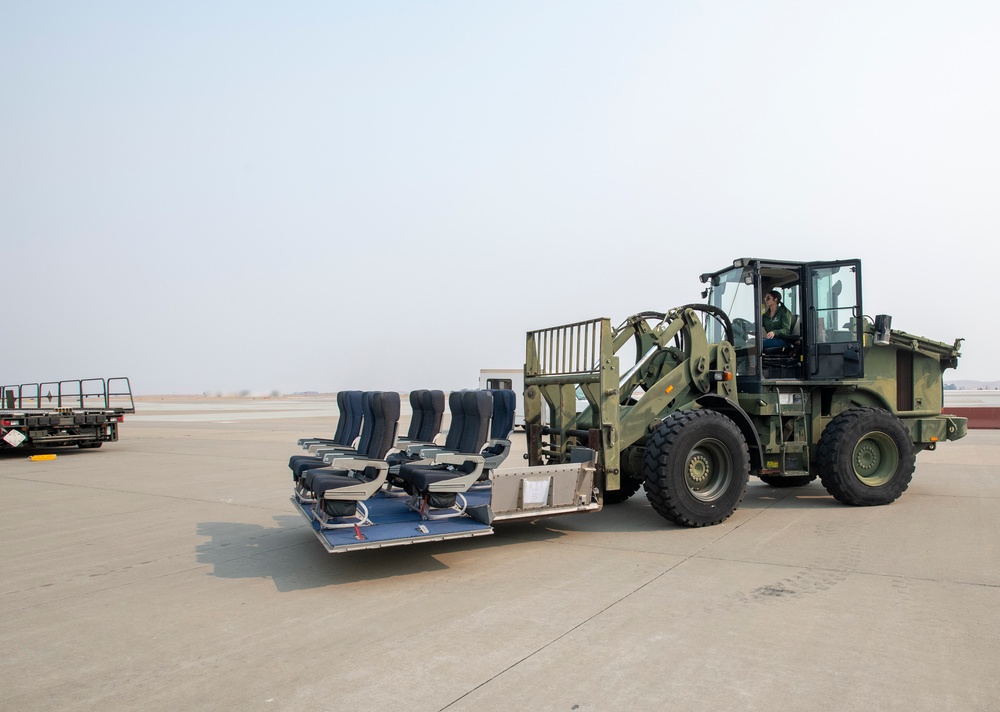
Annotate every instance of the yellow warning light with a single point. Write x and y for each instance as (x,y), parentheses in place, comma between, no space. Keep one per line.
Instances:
(669,388)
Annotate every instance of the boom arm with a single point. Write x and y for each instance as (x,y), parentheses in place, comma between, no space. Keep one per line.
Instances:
(674,365)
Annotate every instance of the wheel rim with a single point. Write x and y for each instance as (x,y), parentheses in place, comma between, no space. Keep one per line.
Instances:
(708,470)
(875,459)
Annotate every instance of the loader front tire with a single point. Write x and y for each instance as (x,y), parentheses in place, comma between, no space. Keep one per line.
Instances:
(866,457)
(697,467)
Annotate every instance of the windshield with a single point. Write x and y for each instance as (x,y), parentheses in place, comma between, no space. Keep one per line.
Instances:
(731,293)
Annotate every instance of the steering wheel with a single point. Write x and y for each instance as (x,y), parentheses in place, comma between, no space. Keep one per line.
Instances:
(742,329)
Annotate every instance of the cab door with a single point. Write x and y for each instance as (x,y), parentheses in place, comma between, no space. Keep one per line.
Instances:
(835,320)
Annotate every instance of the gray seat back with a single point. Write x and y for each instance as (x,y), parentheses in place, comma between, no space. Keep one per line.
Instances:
(504,404)
(457,410)
(351,414)
(417,414)
(478,409)
(367,421)
(433,411)
(384,407)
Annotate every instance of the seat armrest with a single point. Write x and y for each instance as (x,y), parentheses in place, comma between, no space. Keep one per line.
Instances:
(494,461)
(405,442)
(351,462)
(425,452)
(459,483)
(320,451)
(364,488)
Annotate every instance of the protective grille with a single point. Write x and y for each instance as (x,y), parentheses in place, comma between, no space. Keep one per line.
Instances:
(565,350)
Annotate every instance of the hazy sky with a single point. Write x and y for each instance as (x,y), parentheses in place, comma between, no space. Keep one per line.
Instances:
(226,196)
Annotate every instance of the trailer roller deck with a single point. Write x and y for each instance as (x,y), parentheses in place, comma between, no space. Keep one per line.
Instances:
(84,412)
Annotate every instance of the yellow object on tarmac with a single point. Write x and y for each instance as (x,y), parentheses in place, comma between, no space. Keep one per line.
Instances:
(42,457)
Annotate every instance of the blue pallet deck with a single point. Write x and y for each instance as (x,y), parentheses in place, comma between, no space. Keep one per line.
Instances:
(395,524)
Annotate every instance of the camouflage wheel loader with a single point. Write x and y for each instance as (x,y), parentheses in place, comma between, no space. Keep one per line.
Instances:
(690,403)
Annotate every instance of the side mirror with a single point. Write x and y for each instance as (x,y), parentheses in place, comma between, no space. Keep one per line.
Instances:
(883,329)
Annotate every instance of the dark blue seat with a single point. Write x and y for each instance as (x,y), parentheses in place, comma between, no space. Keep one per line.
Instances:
(352,405)
(300,463)
(416,415)
(453,438)
(501,426)
(425,425)
(340,488)
(438,484)
(349,404)
(427,407)
(502,422)
(432,407)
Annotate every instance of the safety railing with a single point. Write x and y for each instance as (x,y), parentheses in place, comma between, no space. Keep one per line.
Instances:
(79,394)
(565,350)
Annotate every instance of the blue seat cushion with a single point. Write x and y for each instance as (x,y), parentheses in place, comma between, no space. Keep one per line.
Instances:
(421,477)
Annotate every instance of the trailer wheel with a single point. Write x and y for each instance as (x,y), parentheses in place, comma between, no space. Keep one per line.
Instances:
(697,468)
(791,481)
(866,457)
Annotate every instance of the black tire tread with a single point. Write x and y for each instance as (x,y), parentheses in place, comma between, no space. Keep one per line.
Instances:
(842,485)
(629,486)
(663,498)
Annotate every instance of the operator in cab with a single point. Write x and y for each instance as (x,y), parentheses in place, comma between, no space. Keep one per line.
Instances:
(776,320)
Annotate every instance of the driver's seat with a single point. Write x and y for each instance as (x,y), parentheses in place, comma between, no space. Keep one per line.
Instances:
(792,342)
(782,361)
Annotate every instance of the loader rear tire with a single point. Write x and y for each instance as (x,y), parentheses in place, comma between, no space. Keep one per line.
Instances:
(697,468)
(866,457)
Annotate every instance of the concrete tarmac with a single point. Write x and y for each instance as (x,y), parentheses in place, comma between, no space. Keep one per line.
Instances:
(169,571)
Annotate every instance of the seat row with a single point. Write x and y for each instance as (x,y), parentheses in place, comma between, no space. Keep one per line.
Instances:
(364,459)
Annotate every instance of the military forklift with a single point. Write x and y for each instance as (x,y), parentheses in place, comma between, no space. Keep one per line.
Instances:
(690,403)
